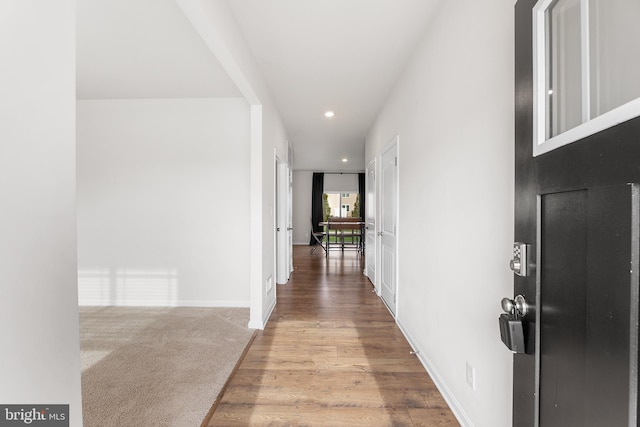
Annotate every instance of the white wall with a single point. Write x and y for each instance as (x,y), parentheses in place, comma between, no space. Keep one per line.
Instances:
(453,110)
(40,357)
(302,183)
(216,24)
(274,142)
(163,202)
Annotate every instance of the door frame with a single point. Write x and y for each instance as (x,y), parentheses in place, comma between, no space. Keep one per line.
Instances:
(281,219)
(370,204)
(395,141)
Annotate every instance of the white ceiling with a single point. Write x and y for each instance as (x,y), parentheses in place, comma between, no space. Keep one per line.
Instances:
(315,55)
(143,49)
(340,55)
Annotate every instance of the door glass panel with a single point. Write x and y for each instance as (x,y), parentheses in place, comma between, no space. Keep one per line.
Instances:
(614,53)
(564,79)
(587,63)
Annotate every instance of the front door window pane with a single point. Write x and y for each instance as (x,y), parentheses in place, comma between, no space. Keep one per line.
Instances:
(564,73)
(614,33)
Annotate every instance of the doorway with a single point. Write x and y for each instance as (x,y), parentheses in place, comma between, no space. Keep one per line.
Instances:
(388,224)
(577,207)
(370,224)
(284,228)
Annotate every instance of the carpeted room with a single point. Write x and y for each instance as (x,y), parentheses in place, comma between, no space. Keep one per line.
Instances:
(149,213)
(162,205)
(157,366)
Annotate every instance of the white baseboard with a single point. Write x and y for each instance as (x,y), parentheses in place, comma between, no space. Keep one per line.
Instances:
(453,403)
(268,314)
(301,244)
(262,323)
(255,325)
(161,303)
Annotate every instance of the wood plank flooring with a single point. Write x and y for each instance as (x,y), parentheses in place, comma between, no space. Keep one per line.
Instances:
(331,355)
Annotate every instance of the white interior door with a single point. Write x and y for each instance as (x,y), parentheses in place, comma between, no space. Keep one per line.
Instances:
(289,219)
(283,225)
(370,223)
(388,223)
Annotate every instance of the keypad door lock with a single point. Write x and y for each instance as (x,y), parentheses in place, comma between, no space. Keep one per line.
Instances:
(511,329)
(520,262)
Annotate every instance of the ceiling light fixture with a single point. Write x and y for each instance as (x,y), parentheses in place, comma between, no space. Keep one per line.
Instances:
(329,114)
(345,160)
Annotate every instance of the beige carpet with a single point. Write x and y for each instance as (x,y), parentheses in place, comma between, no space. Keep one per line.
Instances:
(157,366)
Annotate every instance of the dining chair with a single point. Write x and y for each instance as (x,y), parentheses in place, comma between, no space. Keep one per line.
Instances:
(318,236)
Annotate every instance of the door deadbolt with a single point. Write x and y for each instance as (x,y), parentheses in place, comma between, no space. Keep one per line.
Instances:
(520,262)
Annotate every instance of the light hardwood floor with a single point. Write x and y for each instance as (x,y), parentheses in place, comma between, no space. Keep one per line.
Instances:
(331,355)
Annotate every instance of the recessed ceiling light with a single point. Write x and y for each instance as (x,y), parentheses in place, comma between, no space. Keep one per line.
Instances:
(329,114)
(345,160)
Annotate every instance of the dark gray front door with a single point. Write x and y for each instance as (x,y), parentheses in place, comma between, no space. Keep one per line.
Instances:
(579,208)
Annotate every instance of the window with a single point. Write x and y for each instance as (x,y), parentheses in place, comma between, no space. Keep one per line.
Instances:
(341,204)
(586,63)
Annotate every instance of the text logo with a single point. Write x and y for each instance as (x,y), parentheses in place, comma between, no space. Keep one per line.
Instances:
(34,415)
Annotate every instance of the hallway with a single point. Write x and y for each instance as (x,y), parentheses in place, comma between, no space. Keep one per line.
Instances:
(331,355)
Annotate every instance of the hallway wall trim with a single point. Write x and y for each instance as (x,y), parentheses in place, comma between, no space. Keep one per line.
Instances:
(453,403)
(253,324)
(167,303)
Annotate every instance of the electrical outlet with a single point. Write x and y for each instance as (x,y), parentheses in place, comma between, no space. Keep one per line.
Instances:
(471,376)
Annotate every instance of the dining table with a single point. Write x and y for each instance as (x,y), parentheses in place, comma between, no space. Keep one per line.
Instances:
(343,231)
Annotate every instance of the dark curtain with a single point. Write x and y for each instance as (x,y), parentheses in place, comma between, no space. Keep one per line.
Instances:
(317,213)
(363,194)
